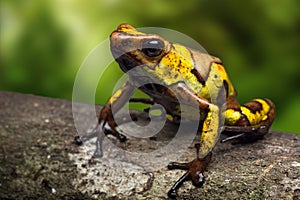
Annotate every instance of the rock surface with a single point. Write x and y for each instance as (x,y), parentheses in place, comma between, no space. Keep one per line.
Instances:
(40,160)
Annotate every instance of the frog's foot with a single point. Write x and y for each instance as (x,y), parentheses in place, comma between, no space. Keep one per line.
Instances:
(194,173)
(245,134)
(100,131)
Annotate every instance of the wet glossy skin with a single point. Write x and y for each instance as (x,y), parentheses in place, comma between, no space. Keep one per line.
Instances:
(198,80)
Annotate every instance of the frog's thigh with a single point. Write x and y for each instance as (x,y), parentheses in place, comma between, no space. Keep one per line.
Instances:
(259,112)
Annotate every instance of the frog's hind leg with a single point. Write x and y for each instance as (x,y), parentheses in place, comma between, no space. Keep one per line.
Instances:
(258,115)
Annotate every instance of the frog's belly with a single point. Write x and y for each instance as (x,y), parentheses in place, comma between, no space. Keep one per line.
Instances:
(183,111)
(161,95)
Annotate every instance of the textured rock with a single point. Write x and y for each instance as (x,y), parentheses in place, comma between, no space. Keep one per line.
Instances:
(40,160)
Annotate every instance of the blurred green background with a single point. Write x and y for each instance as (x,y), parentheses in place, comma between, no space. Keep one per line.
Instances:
(44,42)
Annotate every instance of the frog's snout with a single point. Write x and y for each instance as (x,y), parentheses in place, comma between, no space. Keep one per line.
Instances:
(123,27)
(121,31)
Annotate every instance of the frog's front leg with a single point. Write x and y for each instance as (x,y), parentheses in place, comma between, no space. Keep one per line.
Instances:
(209,137)
(106,123)
(195,170)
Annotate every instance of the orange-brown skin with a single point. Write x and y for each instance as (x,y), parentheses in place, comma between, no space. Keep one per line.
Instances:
(198,80)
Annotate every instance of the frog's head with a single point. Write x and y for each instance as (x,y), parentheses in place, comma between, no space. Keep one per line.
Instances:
(131,48)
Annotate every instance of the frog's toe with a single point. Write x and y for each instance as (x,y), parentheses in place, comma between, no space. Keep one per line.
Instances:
(122,137)
(176,165)
(173,191)
(108,130)
(196,170)
(172,194)
(91,133)
(171,165)
(98,152)
(78,140)
(198,179)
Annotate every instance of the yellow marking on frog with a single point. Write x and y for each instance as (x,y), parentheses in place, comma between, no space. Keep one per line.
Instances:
(176,66)
(170,117)
(224,76)
(130,30)
(213,84)
(210,128)
(232,116)
(265,106)
(116,95)
(155,112)
(258,116)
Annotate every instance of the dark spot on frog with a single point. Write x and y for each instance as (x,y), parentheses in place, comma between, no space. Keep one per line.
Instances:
(198,76)
(253,106)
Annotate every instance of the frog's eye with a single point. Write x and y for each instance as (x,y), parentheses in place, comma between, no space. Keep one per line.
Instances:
(152,48)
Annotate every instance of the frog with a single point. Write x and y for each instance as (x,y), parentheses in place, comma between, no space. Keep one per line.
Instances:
(198,79)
